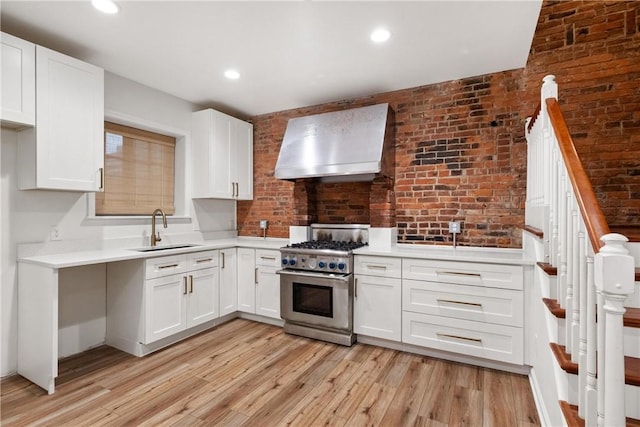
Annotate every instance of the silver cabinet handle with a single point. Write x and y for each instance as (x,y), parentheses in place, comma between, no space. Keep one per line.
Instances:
(355,288)
(475,304)
(184,283)
(101,188)
(377,267)
(222,253)
(191,283)
(268,258)
(201,260)
(255,276)
(162,267)
(458,273)
(458,337)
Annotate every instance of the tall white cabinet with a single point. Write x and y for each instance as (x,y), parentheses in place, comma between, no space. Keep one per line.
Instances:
(18,81)
(65,149)
(222,156)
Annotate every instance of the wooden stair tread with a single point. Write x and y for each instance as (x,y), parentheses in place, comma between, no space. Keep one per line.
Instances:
(631,317)
(535,231)
(631,364)
(631,232)
(570,413)
(555,308)
(553,271)
(548,268)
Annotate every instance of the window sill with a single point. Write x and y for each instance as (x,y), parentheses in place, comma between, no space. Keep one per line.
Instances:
(132,220)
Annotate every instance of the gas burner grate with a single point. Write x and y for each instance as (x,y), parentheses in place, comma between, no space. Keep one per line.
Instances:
(328,244)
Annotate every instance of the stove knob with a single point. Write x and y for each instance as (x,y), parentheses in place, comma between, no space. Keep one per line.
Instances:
(285,261)
(341,265)
(292,261)
(332,265)
(322,264)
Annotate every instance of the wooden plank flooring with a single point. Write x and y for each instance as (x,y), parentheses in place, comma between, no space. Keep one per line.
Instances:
(252,374)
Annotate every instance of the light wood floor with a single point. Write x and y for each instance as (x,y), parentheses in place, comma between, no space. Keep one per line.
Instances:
(247,373)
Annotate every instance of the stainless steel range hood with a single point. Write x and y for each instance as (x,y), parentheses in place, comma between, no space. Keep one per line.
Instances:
(347,145)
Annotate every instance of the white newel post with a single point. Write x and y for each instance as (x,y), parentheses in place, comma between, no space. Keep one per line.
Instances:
(614,278)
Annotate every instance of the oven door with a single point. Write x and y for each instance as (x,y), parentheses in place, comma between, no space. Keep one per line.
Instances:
(317,299)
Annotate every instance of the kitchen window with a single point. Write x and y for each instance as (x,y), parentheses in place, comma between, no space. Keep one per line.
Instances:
(139,172)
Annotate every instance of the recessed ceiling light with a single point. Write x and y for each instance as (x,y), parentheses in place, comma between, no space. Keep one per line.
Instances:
(232,74)
(380,35)
(105,6)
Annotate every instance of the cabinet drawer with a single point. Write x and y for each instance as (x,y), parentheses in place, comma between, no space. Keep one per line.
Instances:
(378,266)
(464,273)
(198,260)
(501,306)
(495,342)
(268,258)
(164,266)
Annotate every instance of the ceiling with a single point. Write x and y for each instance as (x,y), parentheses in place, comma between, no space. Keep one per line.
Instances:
(289,54)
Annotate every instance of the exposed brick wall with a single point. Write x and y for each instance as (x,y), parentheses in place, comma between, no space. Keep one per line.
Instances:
(593,48)
(460,146)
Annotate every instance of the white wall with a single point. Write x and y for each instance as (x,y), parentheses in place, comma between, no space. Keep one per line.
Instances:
(29,216)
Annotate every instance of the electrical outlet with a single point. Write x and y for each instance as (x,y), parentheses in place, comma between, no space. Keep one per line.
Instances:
(263,224)
(454,227)
(55,234)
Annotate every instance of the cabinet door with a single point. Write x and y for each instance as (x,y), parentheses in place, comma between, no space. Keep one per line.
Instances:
(212,167)
(242,151)
(164,306)
(228,281)
(18,81)
(65,151)
(202,294)
(247,277)
(268,292)
(377,309)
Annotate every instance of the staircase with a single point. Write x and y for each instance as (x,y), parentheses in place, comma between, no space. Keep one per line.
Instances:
(585,299)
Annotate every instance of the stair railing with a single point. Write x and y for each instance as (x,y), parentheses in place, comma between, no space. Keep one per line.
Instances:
(596,273)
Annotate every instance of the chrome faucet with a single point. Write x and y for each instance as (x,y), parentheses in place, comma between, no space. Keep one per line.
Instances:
(155,237)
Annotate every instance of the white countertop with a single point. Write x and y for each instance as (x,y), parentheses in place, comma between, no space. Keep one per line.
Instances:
(445,253)
(79,258)
(448,253)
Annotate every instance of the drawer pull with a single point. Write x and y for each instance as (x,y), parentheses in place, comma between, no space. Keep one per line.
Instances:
(222,253)
(458,273)
(162,267)
(191,283)
(458,337)
(269,258)
(184,283)
(255,276)
(355,288)
(475,304)
(199,261)
(377,267)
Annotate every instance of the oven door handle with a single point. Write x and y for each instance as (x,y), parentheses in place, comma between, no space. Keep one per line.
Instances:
(344,278)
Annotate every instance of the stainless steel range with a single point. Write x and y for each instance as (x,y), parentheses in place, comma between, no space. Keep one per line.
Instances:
(316,283)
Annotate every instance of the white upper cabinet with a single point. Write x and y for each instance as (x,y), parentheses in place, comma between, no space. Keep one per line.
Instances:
(65,149)
(18,81)
(222,156)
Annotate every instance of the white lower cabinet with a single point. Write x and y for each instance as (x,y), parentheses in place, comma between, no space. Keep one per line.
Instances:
(489,341)
(164,307)
(377,304)
(258,282)
(469,308)
(152,299)
(228,281)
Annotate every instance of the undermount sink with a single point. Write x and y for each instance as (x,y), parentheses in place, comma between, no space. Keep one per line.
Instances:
(165,248)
